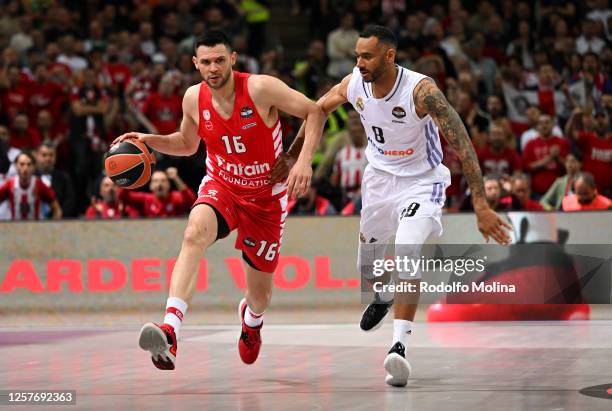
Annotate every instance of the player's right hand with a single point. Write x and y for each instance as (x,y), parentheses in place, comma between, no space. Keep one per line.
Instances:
(299,179)
(129,136)
(280,170)
(493,226)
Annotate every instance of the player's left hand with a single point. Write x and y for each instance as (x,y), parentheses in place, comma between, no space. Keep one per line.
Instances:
(492,225)
(299,179)
(281,168)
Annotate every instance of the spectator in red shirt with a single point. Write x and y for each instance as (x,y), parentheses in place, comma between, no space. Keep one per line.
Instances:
(586,197)
(44,94)
(141,82)
(521,191)
(164,108)
(350,161)
(107,205)
(496,157)
(46,128)
(596,147)
(161,202)
(87,134)
(119,73)
(25,192)
(14,91)
(23,136)
(543,157)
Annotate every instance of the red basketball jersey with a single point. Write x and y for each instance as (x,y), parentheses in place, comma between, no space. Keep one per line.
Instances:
(242,149)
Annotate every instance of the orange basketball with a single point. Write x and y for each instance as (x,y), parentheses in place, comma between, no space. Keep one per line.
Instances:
(129,164)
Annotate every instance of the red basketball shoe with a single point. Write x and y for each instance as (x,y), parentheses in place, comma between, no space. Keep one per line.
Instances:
(160,341)
(250,338)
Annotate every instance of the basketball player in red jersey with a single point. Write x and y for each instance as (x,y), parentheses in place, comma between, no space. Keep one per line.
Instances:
(236,114)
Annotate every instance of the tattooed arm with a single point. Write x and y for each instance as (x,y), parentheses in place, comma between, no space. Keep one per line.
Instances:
(429,99)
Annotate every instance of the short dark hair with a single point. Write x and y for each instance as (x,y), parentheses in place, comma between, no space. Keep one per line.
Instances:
(212,38)
(47,144)
(521,176)
(26,153)
(491,177)
(587,178)
(383,34)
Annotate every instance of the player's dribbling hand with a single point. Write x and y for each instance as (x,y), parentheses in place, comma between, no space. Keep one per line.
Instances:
(492,225)
(129,136)
(299,179)
(281,168)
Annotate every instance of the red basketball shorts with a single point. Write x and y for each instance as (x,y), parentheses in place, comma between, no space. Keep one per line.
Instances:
(260,221)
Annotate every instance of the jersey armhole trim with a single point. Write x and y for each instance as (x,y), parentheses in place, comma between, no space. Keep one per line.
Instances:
(413,112)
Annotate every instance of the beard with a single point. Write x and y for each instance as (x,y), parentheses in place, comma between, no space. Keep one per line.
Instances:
(224,79)
(374,74)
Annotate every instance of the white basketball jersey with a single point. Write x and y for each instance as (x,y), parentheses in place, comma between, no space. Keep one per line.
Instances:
(399,142)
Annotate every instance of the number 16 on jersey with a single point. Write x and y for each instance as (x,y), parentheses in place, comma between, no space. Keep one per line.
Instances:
(233,145)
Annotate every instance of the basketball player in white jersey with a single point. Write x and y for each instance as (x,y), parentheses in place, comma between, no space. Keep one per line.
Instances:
(403,188)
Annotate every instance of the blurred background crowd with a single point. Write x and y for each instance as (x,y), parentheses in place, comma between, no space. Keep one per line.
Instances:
(530,81)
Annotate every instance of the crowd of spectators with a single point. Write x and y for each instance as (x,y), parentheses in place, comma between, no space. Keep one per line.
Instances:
(530,80)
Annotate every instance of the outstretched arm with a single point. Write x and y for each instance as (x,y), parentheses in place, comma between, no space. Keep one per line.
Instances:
(270,92)
(430,100)
(334,98)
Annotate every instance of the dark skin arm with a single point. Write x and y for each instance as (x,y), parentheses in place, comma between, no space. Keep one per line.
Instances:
(430,100)
(328,103)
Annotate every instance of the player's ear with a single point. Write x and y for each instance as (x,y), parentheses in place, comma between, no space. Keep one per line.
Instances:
(233,57)
(391,52)
(195,61)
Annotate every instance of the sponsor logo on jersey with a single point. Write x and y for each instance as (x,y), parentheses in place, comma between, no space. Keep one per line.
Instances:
(399,153)
(359,103)
(398,112)
(206,115)
(249,242)
(249,125)
(246,112)
(248,170)
(211,194)
(391,153)
(373,240)
(208,125)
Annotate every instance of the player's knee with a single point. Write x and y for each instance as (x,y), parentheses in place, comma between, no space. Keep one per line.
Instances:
(196,236)
(365,261)
(412,252)
(259,300)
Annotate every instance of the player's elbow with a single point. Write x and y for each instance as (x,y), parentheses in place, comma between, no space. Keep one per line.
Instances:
(191,148)
(316,111)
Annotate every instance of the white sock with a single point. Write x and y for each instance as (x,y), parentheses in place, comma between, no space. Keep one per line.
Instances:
(175,310)
(252,319)
(401,331)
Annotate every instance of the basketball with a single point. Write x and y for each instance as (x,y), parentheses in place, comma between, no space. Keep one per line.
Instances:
(129,164)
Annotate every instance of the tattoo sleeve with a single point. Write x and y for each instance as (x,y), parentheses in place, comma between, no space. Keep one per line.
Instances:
(430,100)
